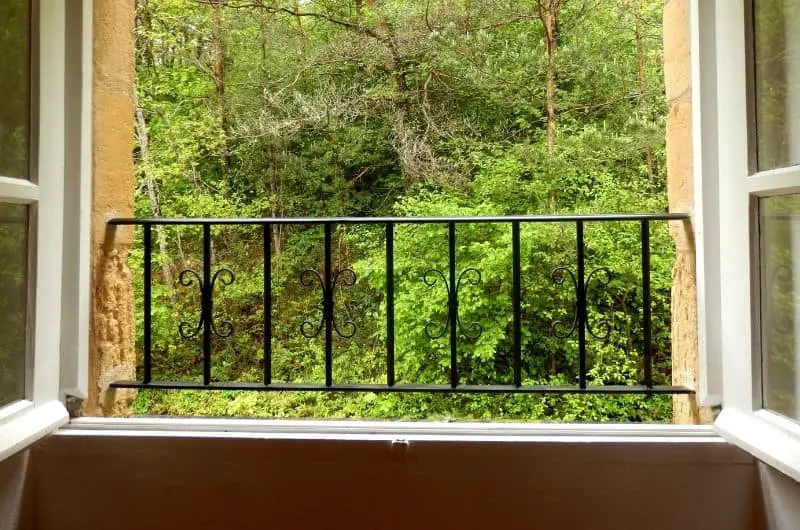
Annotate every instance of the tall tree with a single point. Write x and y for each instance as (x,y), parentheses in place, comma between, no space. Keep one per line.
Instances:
(548,13)
(642,76)
(218,76)
(144,167)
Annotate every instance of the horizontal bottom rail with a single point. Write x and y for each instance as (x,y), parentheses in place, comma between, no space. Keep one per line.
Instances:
(465,389)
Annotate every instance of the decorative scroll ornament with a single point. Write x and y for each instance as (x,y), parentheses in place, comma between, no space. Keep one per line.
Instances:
(225,328)
(472,276)
(343,277)
(559,276)
(599,277)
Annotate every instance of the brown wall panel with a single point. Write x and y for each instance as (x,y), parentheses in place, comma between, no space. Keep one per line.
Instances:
(168,483)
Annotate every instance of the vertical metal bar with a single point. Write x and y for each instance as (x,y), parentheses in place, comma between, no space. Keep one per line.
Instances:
(327,306)
(206,304)
(267,304)
(148,278)
(581,304)
(453,306)
(390,304)
(517,302)
(646,303)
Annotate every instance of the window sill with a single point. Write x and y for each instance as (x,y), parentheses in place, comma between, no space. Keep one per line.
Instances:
(392,431)
(29,424)
(769,437)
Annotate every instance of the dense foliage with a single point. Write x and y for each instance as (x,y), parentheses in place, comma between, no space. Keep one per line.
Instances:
(403,107)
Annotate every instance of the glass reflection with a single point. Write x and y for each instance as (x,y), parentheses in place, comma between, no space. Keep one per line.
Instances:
(13,300)
(777,82)
(15,88)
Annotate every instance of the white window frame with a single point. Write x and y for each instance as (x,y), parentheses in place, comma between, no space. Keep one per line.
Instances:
(42,412)
(724,177)
(76,267)
(705,214)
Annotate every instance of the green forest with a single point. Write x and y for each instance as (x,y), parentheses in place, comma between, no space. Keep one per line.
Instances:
(309,108)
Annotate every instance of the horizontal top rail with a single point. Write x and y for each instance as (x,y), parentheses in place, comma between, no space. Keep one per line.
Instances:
(662,216)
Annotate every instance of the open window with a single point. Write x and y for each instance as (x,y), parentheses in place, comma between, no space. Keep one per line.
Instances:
(753,172)
(32,169)
(747,218)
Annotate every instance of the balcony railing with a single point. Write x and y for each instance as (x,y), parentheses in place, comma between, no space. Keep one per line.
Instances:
(330,279)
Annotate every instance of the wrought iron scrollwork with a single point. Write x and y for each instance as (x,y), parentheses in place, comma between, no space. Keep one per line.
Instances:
(307,279)
(600,277)
(224,329)
(472,276)
(431,281)
(600,282)
(348,279)
(559,276)
(342,277)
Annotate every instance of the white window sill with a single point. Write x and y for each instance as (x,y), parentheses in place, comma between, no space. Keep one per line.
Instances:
(769,437)
(390,430)
(28,424)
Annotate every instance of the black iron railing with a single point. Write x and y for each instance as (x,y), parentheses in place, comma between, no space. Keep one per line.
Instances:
(452,279)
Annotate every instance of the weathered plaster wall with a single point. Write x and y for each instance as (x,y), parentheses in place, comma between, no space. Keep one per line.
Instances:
(677,77)
(112,354)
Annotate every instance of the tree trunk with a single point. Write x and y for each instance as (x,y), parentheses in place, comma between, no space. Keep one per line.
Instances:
(262,38)
(395,62)
(640,66)
(275,193)
(548,12)
(551,44)
(218,73)
(152,190)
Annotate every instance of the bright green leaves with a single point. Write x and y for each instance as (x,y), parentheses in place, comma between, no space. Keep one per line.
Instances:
(406,108)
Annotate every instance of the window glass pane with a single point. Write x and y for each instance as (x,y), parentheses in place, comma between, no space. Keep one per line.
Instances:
(13,300)
(15,87)
(777,82)
(780,303)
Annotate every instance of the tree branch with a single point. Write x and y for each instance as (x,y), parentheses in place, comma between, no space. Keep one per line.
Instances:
(514,20)
(258,4)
